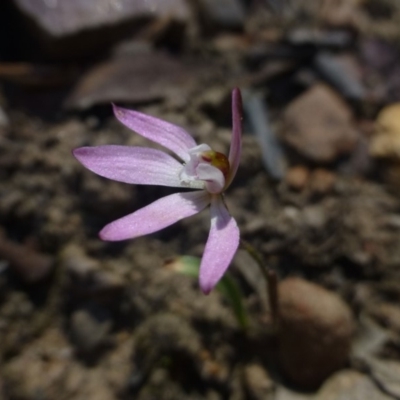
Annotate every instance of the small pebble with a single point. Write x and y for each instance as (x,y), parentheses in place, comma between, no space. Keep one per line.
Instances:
(90,328)
(297,177)
(322,181)
(258,383)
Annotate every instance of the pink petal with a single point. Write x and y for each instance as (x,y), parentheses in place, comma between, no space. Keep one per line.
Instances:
(222,243)
(236,142)
(156,216)
(168,135)
(139,165)
(213,177)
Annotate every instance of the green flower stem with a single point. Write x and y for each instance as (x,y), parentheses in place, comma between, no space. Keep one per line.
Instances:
(271,281)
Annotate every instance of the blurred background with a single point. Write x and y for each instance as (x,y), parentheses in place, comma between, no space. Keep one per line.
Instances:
(317,194)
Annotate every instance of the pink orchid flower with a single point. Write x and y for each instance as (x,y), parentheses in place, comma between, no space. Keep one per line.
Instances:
(203,169)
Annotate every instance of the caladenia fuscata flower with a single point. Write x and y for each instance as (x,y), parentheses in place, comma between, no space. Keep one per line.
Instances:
(199,167)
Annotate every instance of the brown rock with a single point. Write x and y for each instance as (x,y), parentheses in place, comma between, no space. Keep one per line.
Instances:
(319,125)
(315,332)
(297,177)
(142,78)
(386,141)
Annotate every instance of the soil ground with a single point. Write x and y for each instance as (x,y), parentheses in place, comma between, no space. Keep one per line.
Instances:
(85,319)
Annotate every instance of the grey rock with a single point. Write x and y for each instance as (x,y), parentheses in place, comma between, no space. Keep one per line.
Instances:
(343,73)
(93,23)
(386,373)
(314,217)
(371,339)
(61,18)
(4,121)
(336,39)
(284,393)
(352,385)
(217,14)
(344,385)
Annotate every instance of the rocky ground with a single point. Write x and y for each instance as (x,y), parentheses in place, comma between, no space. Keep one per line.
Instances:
(317,194)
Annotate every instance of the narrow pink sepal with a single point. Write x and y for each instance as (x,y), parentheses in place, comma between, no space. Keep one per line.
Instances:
(156,216)
(164,133)
(222,243)
(129,164)
(236,141)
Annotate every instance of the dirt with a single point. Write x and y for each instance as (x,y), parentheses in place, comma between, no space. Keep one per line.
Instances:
(84,319)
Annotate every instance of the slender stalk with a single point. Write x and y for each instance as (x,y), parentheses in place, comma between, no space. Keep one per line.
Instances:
(271,281)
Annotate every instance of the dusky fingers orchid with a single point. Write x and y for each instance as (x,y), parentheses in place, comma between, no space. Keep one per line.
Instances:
(200,168)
